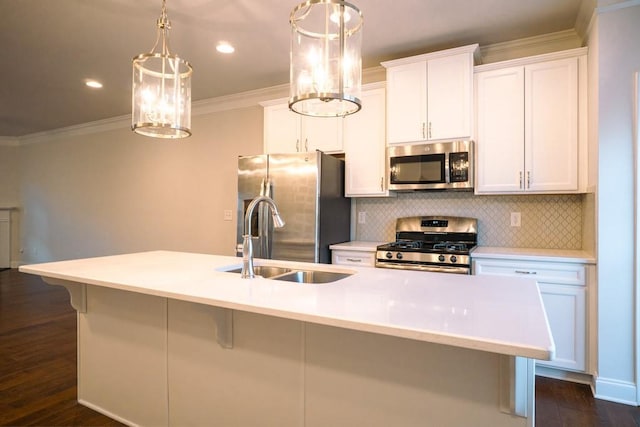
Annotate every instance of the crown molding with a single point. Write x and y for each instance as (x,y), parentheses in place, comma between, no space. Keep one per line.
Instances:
(530,46)
(617,6)
(569,53)
(9,141)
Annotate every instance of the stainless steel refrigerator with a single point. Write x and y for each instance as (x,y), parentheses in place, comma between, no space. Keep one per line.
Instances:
(308,189)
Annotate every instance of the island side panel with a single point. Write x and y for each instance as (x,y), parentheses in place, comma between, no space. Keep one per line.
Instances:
(257,382)
(358,378)
(122,345)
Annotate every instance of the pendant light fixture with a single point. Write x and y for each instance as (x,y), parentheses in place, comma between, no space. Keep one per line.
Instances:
(161,100)
(326,64)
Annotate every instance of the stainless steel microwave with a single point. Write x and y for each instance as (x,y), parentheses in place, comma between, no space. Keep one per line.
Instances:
(433,166)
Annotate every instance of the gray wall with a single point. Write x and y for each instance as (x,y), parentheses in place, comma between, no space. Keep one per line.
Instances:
(115,191)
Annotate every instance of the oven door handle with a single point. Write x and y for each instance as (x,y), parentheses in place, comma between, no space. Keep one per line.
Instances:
(418,267)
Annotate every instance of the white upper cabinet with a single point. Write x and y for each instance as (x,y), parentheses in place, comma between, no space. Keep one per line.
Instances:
(281,129)
(430,97)
(500,119)
(289,132)
(530,125)
(364,146)
(551,125)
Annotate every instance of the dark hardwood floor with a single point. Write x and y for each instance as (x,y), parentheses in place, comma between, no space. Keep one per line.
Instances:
(38,368)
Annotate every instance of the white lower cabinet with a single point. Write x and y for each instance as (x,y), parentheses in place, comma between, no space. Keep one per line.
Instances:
(565,307)
(563,290)
(357,253)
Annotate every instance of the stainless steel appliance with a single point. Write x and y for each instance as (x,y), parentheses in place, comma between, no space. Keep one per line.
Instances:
(432,166)
(431,243)
(308,189)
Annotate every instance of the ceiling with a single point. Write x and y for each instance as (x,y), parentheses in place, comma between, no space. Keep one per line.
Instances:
(49,48)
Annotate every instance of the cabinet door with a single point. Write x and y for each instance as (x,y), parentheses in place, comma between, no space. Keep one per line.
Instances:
(365,160)
(449,94)
(321,133)
(500,130)
(551,130)
(406,103)
(281,129)
(562,287)
(565,307)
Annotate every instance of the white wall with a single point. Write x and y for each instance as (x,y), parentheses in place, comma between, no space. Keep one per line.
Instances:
(115,191)
(616,48)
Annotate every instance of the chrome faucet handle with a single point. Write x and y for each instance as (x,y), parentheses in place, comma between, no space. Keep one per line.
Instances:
(248,271)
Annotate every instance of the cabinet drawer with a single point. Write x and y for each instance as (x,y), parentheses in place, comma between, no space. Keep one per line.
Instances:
(560,273)
(361,258)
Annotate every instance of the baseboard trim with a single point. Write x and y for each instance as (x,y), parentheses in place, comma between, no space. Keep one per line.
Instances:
(560,374)
(616,391)
(107,413)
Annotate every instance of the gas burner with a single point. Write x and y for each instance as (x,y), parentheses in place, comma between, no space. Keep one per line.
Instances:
(450,246)
(406,244)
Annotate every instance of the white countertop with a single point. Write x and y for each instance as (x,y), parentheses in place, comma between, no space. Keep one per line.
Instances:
(357,245)
(533,254)
(489,313)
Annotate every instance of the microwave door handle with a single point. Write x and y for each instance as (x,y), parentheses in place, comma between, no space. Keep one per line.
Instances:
(447,170)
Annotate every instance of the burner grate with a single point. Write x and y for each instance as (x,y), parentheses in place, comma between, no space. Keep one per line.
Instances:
(450,246)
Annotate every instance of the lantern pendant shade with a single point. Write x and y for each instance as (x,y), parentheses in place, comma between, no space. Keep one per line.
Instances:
(161,90)
(326,64)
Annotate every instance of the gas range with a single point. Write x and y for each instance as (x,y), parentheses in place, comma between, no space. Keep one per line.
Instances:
(431,243)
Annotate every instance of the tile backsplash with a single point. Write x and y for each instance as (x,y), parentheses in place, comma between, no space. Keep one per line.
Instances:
(547,221)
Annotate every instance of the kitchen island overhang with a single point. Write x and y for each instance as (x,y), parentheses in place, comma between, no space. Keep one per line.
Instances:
(487,314)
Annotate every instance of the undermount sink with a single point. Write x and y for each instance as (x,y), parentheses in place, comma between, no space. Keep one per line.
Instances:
(293,275)
(265,271)
(312,276)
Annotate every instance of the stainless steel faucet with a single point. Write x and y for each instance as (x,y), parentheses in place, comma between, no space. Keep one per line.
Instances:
(247,245)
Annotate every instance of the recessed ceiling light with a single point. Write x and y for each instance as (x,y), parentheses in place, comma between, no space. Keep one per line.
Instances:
(93,84)
(225,47)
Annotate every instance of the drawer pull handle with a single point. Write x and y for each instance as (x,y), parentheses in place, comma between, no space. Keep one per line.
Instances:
(354,260)
(526,272)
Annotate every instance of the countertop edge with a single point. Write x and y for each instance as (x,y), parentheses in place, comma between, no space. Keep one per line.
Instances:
(521,349)
(534,254)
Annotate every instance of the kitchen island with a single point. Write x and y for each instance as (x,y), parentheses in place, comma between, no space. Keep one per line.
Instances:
(169,338)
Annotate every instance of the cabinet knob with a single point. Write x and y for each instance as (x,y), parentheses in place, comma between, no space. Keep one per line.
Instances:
(429,130)
(528,179)
(354,260)
(297,145)
(424,132)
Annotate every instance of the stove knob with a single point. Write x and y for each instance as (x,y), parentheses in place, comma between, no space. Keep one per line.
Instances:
(453,259)
(399,255)
(441,258)
(389,255)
